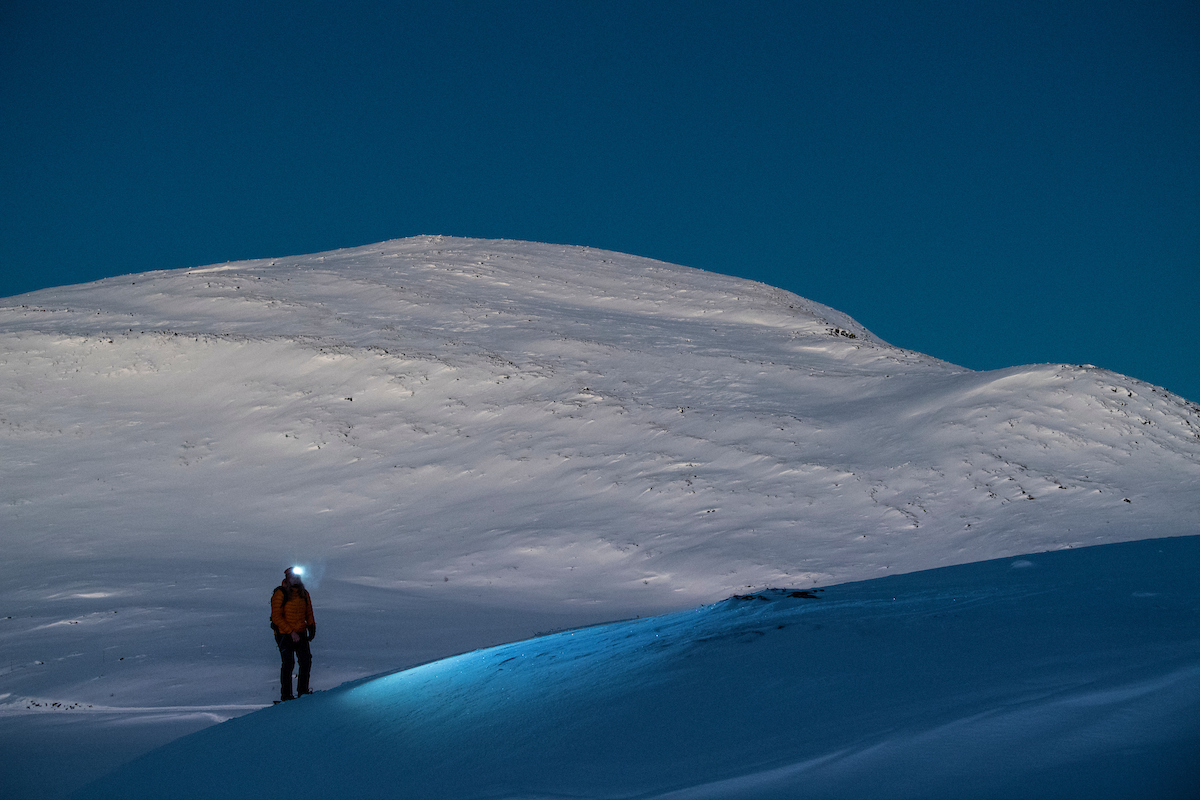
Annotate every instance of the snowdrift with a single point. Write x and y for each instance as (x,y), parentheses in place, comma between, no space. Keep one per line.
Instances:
(1070,675)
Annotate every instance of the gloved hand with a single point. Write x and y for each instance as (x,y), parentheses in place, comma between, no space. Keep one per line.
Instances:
(312,632)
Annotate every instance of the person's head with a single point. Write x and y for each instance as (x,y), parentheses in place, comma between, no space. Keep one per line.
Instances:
(293,576)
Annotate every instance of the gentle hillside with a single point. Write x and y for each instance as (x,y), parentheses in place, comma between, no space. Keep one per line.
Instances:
(555,420)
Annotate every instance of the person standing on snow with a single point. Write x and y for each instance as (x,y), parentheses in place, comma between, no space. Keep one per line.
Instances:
(295,626)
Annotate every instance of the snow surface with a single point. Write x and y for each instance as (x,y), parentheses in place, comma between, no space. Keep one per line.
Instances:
(470,442)
(1067,675)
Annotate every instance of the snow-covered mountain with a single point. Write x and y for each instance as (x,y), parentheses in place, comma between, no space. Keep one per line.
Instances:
(469,442)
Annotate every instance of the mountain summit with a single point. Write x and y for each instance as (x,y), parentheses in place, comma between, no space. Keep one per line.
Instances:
(553,420)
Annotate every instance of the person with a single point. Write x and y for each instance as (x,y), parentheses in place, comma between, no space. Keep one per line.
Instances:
(295,626)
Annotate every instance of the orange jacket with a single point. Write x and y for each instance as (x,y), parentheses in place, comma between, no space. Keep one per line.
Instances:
(291,610)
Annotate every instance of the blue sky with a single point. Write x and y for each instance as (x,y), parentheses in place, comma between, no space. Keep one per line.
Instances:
(993,183)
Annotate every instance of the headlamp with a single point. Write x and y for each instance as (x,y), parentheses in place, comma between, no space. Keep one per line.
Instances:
(297,570)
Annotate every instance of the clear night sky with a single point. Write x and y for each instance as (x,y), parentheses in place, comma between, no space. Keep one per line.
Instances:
(993,183)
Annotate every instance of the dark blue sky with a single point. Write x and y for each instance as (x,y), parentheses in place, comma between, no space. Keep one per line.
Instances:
(993,183)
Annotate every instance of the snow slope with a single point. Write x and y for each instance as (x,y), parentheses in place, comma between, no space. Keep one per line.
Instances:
(470,442)
(1073,674)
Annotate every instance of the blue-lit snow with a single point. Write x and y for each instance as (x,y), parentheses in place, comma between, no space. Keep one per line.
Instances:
(1073,674)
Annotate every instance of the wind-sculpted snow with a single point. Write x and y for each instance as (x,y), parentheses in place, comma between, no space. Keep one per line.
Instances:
(472,441)
(1067,675)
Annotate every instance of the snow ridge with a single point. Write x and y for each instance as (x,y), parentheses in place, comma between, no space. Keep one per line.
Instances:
(985,680)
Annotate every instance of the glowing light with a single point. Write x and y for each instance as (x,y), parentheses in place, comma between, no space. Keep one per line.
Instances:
(297,570)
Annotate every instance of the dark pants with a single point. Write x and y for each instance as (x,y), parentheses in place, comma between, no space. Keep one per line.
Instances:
(290,651)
